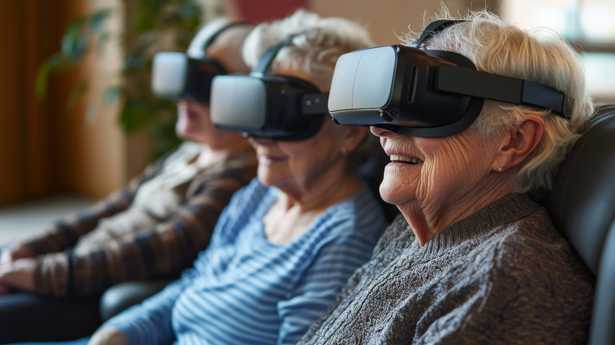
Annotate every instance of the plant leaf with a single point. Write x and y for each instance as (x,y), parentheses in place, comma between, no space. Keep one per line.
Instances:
(135,115)
(103,39)
(98,20)
(113,94)
(72,41)
(42,77)
(76,94)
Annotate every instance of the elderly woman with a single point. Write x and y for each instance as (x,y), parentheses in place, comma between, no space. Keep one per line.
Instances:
(473,259)
(287,243)
(153,227)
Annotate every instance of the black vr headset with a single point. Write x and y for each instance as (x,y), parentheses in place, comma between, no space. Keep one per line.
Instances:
(270,106)
(425,93)
(178,75)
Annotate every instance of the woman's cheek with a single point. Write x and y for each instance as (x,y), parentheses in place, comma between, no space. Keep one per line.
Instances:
(438,177)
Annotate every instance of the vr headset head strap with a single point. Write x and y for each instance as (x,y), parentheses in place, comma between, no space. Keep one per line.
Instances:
(311,103)
(432,29)
(491,86)
(215,35)
(267,58)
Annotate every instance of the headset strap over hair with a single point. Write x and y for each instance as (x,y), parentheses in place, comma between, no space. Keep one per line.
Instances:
(503,89)
(311,104)
(433,28)
(267,58)
(215,35)
(491,86)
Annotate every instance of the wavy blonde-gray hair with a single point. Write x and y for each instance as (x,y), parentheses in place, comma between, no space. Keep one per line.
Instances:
(539,55)
(318,43)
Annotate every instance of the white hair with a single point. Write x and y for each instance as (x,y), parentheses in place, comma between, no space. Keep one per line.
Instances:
(318,43)
(539,55)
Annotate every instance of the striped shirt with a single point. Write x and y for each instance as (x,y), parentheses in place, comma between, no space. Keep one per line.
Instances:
(245,290)
(121,238)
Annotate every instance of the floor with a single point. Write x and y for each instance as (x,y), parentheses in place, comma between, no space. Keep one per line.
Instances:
(22,220)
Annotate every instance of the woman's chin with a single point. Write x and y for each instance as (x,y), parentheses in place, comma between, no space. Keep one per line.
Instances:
(394,193)
(267,177)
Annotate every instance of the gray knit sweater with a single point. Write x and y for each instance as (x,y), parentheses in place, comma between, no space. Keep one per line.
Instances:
(502,276)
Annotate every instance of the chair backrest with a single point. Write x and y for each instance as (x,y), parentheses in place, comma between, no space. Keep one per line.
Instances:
(582,206)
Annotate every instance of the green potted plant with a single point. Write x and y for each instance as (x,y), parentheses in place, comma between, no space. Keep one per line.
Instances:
(150,26)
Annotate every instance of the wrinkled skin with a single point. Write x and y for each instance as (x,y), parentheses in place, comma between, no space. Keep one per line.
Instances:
(456,175)
(299,167)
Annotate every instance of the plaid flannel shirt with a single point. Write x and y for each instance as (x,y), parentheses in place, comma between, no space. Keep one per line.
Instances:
(168,248)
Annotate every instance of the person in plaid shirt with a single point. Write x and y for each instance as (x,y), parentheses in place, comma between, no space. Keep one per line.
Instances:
(153,227)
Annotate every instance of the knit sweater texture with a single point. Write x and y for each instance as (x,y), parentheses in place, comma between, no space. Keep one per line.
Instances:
(501,276)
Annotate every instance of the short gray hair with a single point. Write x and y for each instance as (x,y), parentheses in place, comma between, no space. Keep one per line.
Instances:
(315,50)
(539,55)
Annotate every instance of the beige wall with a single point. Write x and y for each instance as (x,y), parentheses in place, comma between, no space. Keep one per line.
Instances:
(388,18)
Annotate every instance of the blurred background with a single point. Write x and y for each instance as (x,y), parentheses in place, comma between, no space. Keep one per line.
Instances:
(77,120)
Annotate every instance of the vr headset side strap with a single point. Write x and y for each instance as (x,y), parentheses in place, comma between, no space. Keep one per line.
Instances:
(311,104)
(469,82)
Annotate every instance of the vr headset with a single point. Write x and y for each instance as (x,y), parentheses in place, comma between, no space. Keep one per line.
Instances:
(178,75)
(425,93)
(270,106)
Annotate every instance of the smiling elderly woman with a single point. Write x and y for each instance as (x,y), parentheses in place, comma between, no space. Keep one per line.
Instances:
(474,259)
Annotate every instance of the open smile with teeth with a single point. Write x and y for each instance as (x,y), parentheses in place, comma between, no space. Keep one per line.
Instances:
(403,159)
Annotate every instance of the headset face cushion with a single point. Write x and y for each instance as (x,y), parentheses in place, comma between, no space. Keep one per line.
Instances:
(175,76)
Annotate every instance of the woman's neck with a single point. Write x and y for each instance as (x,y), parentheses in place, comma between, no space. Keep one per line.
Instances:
(331,187)
(293,213)
(430,217)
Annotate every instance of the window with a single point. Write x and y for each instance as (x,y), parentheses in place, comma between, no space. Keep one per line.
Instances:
(587,24)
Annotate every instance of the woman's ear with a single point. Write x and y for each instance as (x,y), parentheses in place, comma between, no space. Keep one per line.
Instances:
(518,142)
(354,135)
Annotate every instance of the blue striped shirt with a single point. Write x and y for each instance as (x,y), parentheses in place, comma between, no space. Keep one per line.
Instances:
(245,290)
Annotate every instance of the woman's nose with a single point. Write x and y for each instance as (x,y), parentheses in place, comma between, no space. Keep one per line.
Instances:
(381,132)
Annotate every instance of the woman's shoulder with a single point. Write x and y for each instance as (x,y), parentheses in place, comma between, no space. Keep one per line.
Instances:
(531,248)
(533,235)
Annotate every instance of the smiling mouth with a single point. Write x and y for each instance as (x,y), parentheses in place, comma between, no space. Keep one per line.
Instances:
(271,159)
(405,160)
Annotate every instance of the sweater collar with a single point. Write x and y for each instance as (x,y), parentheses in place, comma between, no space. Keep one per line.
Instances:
(508,209)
